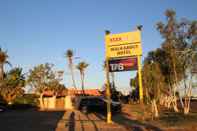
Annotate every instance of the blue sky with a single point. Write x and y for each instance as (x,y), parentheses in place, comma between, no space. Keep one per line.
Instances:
(40,31)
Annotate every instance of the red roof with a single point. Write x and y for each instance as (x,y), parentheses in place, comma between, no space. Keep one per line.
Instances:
(51,93)
(92,92)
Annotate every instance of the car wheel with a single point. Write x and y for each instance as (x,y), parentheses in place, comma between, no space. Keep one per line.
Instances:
(84,109)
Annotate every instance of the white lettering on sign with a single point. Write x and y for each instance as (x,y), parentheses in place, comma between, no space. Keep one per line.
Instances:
(115,67)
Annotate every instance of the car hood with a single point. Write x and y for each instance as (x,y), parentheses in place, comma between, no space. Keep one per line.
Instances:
(113,102)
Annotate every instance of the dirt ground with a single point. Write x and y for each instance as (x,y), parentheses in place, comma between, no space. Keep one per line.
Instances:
(169,120)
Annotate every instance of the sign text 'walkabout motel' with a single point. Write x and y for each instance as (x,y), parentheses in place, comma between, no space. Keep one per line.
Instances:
(123,45)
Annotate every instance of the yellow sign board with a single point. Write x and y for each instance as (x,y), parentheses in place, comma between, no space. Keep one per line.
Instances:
(123,44)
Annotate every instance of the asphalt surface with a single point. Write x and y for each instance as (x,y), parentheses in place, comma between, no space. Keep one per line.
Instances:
(71,120)
(29,120)
(77,121)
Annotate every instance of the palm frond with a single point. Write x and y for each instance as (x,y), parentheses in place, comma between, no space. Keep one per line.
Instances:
(82,65)
(69,53)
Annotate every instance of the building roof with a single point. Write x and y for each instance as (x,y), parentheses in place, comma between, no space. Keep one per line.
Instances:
(51,93)
(91,92)
(72,91)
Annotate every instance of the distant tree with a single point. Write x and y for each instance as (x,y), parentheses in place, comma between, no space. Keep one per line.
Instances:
(111,74)
(55,87)
(154,81)
(13,85)
(39,79)
(134,82)
(135,89)
(81,67)
(69,55)
(115,95)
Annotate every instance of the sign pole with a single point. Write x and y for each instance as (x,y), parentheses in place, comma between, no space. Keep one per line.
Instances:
(127,44)
(140,79)
(108,93)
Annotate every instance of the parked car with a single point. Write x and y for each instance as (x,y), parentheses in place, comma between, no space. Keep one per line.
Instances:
(96,104)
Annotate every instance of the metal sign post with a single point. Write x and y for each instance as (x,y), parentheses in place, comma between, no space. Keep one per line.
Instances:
(140,79)
(122,50)
(108,93)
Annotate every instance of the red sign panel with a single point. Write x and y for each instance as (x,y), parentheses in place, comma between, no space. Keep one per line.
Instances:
(123,64)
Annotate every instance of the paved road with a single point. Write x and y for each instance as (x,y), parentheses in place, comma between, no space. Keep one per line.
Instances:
(33,120)
(70,120)
(77,121)
(29,120)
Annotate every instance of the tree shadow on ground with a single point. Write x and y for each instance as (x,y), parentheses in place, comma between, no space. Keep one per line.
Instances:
(130,124)
(93,123)
(101,115)
(134,124)
(82,124)
(72,122)
(30,120)
(72,126)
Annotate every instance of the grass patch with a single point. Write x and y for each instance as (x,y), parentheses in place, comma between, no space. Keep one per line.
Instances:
(27,99)
(23,102)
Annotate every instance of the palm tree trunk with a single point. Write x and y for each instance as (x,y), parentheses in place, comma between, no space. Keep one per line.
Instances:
(1,71)
(113,80)
(82,82)
(72,75)
(72,72)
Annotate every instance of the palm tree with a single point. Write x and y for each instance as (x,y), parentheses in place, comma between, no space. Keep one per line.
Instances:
(69,55)
(14,83)
(81,67)
(3,60)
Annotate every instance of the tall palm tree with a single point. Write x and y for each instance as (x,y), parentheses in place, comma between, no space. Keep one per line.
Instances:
(3,60)
(81,67)
(69,55)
